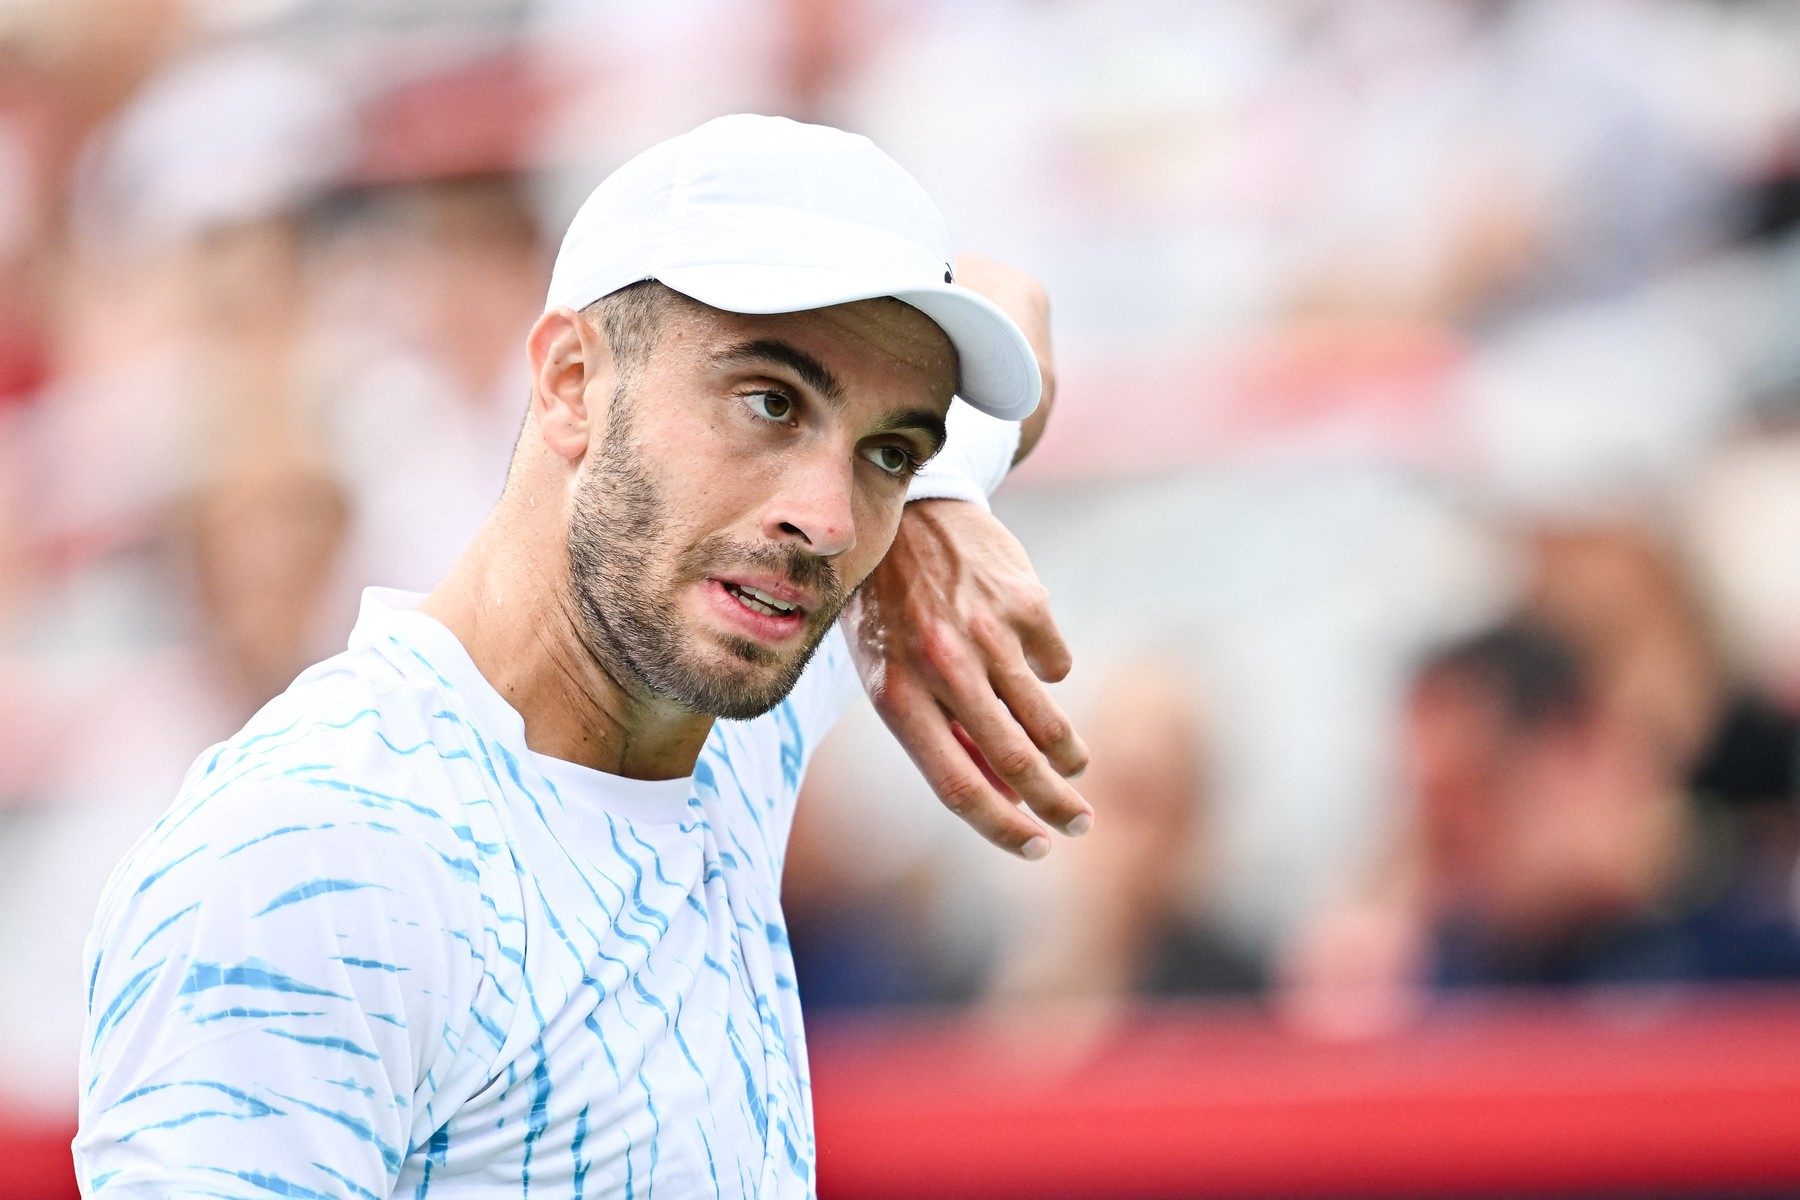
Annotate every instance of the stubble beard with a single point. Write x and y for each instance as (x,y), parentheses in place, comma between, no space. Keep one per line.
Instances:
(619,538)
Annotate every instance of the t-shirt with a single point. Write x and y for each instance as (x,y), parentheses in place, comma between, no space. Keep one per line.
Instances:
(380,947)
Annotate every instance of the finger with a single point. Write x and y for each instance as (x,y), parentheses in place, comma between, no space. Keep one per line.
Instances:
(957,777)
(987,772)
(1015,759)
(1042,718)
(1045,650)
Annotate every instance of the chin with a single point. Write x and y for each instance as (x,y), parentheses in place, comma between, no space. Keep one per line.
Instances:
(743,681)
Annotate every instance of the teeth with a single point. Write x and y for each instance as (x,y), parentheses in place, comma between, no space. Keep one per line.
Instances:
(760,601)
(780,606)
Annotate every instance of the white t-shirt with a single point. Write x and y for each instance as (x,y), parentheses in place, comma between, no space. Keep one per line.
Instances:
(380,947)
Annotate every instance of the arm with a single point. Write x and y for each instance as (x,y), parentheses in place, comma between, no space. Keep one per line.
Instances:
(1025,301)
(954,640)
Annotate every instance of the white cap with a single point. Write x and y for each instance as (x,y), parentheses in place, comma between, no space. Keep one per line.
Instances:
(765,215)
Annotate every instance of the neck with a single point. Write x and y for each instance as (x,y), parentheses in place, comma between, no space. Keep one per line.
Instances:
(507,601)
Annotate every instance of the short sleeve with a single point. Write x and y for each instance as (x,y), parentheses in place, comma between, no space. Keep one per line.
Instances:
(283,979)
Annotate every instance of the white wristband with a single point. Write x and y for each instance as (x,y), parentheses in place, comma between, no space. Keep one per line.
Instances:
(978,452)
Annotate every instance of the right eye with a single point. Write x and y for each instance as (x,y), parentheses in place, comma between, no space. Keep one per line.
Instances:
(770,406)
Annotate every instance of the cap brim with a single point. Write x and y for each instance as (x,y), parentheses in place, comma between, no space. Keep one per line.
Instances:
(998,371)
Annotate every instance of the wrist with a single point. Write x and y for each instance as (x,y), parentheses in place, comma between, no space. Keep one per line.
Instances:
(978,451)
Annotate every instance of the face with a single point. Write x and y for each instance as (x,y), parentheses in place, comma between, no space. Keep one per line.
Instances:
(752,473)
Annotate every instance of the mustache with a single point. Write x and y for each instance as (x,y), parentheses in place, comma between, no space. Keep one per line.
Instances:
(798,567)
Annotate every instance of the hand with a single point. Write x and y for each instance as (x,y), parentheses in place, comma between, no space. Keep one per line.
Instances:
(953,637)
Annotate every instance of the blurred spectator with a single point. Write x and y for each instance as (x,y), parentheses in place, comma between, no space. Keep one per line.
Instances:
(431,287)
(1109,917)
(1536,851)
(1552,838)
(859,939)
(1346,291)
(180,343)
(183,520)
(264,540)
(65,68)
(1546,844)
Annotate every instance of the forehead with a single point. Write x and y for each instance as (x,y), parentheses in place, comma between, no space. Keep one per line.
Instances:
(881,343)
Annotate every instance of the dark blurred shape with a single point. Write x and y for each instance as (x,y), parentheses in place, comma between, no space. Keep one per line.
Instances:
(860,938)
(1754,756)
(1744,918)
(854,952)
(1531,672)
(1527,803)
(1771,204)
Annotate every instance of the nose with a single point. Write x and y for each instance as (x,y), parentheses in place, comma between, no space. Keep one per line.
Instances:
(813,505)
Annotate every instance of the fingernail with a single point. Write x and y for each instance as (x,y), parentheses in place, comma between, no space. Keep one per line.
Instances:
(1080,824)
(1035,849)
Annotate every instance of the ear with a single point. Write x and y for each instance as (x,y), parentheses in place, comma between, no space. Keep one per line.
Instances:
(568,359)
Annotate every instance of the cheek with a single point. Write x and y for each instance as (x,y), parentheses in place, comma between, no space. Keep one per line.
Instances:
(877,523)
(718,469)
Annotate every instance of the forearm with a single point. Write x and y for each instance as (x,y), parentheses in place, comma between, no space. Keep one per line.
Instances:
(952,633)
(1031,429)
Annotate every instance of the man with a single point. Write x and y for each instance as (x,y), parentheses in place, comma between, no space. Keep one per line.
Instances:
(489,903)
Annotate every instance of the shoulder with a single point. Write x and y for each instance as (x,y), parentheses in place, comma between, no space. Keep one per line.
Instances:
(327,900)
(352,776)
(352,735)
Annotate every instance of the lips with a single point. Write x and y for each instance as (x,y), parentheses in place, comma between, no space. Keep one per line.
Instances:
(763,609)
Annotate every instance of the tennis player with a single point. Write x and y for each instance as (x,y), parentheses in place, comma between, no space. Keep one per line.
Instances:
(487,905)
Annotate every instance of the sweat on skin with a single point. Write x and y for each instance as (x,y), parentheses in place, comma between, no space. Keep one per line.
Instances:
(775,448)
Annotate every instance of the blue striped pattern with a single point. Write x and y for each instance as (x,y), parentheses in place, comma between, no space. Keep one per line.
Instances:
(378,947)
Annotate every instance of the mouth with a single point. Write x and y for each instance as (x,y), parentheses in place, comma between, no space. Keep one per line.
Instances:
(767,611)
(759,601)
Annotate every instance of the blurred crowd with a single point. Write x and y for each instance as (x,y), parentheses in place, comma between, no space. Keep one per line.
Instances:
(1423,502)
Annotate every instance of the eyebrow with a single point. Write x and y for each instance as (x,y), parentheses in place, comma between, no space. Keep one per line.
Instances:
(921,420)
(815,374)
(818,376)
